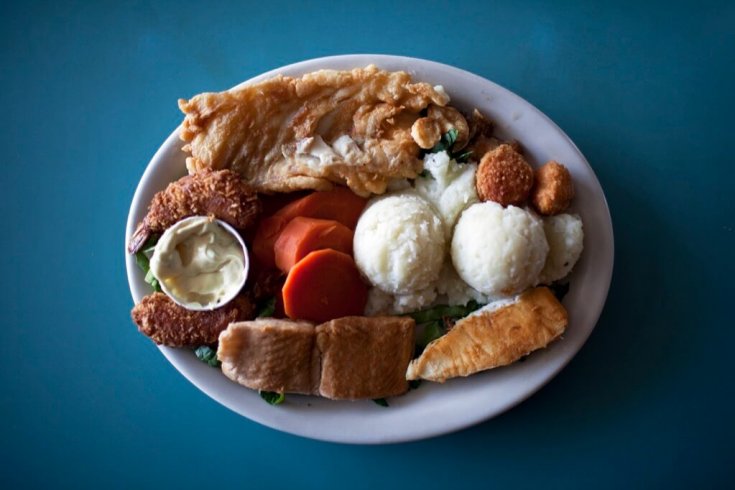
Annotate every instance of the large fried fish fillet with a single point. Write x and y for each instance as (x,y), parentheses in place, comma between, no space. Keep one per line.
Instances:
(326,127)
(493,337)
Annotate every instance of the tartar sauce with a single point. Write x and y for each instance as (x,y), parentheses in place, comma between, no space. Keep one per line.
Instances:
(199,263)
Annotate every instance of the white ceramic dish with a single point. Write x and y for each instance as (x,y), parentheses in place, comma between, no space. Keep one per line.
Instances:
(432,409)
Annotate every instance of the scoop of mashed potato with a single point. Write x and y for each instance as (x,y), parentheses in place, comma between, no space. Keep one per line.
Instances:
(450,188)
(399,243)
(499,251)
(565,236)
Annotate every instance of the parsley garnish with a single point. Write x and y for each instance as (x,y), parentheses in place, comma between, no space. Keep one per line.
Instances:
(272,397)
(142,258)
(267,308)
(381,401)
(206,354)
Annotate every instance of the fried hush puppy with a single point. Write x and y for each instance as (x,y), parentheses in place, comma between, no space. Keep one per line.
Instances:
(167,323)
(504,176)
(553,189)
(222,194)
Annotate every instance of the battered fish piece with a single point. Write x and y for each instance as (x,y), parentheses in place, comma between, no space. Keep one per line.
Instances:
(553,189)
(222,194)
(167,323)
(504,176)
(326,127)
(491,337)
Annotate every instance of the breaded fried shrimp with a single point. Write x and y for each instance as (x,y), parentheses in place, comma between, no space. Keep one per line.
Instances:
(222,194)
(167,323)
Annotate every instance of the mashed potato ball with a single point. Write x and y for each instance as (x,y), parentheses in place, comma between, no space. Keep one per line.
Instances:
(399,243)
(565,236)
(498,250)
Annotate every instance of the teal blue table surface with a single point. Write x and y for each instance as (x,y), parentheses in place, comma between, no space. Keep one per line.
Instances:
(88,92)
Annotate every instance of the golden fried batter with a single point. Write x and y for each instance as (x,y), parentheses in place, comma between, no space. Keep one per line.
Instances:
(326,127)
(553,189)
(504,176)
(167,323)
(492,338)
(222,194)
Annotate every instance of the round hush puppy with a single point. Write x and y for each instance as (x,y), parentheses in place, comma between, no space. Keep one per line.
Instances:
(504,176)
(553,190)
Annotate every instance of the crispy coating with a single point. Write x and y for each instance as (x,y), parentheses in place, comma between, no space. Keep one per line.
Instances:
(222,194)
(504,176)
(426,132)
(491,338)
(553,189)
(327,127)
(167,323)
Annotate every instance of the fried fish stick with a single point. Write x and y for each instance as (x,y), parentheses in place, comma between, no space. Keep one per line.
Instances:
(222,194)
(167,323)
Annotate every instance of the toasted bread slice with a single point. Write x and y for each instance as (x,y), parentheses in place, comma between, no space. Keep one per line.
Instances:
(365,357)
(493,336)
(271,355)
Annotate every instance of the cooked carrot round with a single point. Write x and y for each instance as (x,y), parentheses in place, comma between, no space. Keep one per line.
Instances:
(339,204)
(323,286)
(304,235)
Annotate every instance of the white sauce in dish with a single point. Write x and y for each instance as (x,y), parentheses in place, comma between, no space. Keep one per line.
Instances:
(200,262)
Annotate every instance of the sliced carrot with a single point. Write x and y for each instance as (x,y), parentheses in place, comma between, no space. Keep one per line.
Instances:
(323,286)
(304,235)
(339,204)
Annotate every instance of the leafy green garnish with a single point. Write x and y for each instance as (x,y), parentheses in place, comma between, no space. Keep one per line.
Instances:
(442,311)
(142,258)
(432,331)
(438,319)
(206,354)
(267,308)
(426,174)
(272,397)
(463,157)
(381,401)
(446,142)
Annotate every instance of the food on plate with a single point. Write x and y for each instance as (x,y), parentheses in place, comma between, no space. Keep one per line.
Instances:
(449,186)
(428,130)
(399,243)
(504,176)
(339,204)
(167,323)
(553,190)
(382,223)
(499,251)
(347,358)
(220,194)
(565,236)
(365,357)
(271,355)
(302,236)
(324,285)
(200,263)
(493,336)
(323,128)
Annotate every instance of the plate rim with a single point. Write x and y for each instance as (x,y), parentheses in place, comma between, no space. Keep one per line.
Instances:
(182,366)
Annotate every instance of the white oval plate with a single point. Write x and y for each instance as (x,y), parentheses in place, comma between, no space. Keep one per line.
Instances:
(432,409)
